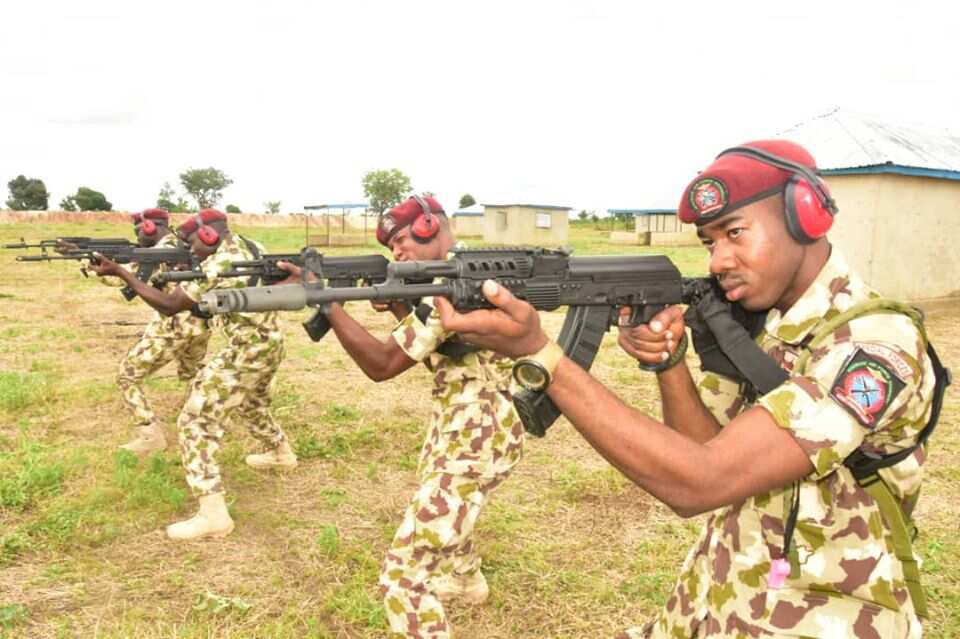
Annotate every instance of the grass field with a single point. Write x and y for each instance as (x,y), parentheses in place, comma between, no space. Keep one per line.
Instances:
(571,548)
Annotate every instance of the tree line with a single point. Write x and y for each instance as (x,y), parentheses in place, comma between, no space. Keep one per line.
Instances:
(203,188)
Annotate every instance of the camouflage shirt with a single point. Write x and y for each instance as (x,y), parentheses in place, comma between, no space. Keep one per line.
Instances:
(183,325)
(240,329)
(868,385)
(474,428)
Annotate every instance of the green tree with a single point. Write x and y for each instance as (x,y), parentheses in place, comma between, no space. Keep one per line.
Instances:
(623,216)
(272,206)
(584,215)
(233,208)
(27,194)
(205,185)
(68,204)
(165,197)
(86,199)
(466,200)
(385,188)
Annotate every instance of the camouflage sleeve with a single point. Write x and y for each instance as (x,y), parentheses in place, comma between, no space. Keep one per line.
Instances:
(212,267)
(858,385)
(721,395)
(420,332)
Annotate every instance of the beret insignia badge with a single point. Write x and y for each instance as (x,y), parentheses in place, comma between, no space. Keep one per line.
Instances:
(708,196)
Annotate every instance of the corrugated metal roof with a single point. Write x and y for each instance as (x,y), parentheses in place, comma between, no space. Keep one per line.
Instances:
(843,140)
(471,211)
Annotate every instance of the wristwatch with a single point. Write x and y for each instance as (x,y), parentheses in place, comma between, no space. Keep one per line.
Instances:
(535,372)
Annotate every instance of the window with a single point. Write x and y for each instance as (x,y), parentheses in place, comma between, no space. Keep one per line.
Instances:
(543,221)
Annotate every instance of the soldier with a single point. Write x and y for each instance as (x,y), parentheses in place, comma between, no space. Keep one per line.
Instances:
(473,440)
(235,381)
(181,337)
(809,534)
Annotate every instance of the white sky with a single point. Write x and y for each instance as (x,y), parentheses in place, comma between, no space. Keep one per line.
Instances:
(585,104)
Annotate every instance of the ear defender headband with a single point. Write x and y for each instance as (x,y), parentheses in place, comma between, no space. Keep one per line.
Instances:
(424,228)
(809,208)
(207,234)
(144,221)
(419,212)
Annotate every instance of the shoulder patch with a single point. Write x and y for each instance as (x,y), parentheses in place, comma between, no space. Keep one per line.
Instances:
(866,387)
(890,357)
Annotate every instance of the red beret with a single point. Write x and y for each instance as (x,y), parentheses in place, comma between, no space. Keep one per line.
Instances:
(403,215)
(736,180)
(206,215)
(155,214)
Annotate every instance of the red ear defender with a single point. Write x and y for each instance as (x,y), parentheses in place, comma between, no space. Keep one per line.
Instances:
(808,216)
(424,228)
(148,227)
(207,234)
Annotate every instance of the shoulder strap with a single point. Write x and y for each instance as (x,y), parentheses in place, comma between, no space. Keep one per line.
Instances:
(253,280)
(865,466)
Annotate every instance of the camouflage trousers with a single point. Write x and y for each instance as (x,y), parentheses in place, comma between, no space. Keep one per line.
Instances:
(164,340)
(434,539)
(235,383)
(470,449)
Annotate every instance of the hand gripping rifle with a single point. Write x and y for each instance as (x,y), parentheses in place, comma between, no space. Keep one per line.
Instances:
(336,271)
(147,259)
(594,288)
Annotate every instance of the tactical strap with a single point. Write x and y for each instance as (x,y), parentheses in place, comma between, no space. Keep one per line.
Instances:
(253,280)
(865,466)
(892,513)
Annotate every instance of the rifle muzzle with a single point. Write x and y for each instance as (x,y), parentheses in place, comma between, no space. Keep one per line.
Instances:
(254,299)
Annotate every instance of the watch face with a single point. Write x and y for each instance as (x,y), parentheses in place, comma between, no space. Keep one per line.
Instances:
(531,375)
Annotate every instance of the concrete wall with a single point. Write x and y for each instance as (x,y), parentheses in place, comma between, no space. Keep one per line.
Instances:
(899,233)
(318,223)
(468,225)
(516,225)
(659,230)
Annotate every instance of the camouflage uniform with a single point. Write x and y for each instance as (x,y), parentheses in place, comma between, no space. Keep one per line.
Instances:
(847,581)
(235,379)
(474,439)
(181,337)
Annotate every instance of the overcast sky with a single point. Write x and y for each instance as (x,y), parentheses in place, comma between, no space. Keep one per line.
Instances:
(586,104)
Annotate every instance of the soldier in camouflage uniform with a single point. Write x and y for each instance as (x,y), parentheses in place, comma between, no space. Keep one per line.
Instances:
(235,381)
(182,338)
(795,545)
(473,440)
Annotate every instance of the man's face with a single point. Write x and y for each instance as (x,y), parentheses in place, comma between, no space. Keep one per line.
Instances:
(145,240)
(198,248)
(753,256)
(407,249)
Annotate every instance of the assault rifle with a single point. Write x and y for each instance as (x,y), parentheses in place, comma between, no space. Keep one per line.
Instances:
(594,288)
(337,271)
(146,259)
(77,243)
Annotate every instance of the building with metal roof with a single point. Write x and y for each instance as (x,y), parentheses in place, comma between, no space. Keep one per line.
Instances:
(468,222)
(893,183)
